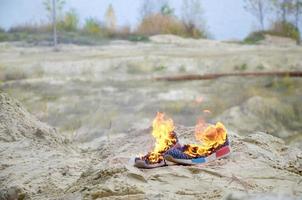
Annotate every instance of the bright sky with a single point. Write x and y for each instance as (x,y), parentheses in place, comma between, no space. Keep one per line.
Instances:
(225,19)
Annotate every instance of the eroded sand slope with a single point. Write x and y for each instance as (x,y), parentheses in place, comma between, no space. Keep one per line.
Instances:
(101,101)
(38,163)
(88,91)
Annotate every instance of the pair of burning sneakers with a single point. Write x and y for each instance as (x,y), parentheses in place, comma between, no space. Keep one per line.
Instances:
(176,155)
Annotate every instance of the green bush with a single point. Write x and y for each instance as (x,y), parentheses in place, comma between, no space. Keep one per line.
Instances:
(284,84)
(3,37)
(70,22)
(138,38)
(285,29)
(92,26)
(241,67)
(281,29)
(31,28)
(159,68)
(255,37)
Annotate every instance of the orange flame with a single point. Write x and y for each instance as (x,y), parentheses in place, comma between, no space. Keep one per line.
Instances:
(199,128)
(211,137)
(163,132)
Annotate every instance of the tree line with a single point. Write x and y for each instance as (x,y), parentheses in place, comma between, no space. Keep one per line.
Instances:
(284,10)
(156,17)
(159,17)
(285,16)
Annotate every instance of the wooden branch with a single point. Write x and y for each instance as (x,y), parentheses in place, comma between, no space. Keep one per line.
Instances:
(192,77)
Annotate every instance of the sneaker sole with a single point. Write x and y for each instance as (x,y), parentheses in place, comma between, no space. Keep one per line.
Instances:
(221,153)
(139,163)
(142,164)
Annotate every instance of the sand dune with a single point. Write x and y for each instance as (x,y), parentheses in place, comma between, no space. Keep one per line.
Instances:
(37,166)
(89,110)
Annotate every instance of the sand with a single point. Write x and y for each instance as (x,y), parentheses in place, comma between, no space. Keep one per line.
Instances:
(71,122)
(38,163)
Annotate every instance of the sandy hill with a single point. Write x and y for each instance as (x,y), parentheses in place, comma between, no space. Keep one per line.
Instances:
(37,163)
(17,125)
(35,158)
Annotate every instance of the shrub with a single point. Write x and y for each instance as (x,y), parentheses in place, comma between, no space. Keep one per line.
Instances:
(194,32)
(281,29)
(284,84)
(138,38)
(123,32)
(255,37)
(92,26)
(168,24)
(3,35)
(159,68)
(161,24)
(70,22)
(285,29)
(241,67)
(31,28)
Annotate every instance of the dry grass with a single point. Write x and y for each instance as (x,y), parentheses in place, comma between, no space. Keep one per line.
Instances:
(278,28)
(160,24)
(31,28)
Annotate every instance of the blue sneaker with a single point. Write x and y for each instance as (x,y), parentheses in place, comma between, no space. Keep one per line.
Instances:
(177,155)
(145,163)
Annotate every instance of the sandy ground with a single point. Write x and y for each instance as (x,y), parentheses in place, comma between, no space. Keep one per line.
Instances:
(101,105)
(38,163)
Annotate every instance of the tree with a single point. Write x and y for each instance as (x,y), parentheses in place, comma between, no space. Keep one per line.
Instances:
(161,6)
(284,8)
(192,13)
(69,22)
(147,8)
(110,18)
(193,19)
(166,9)
(259,9)
(92,26)
(59,5)
(297,12)
(54,7)
(150,7)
